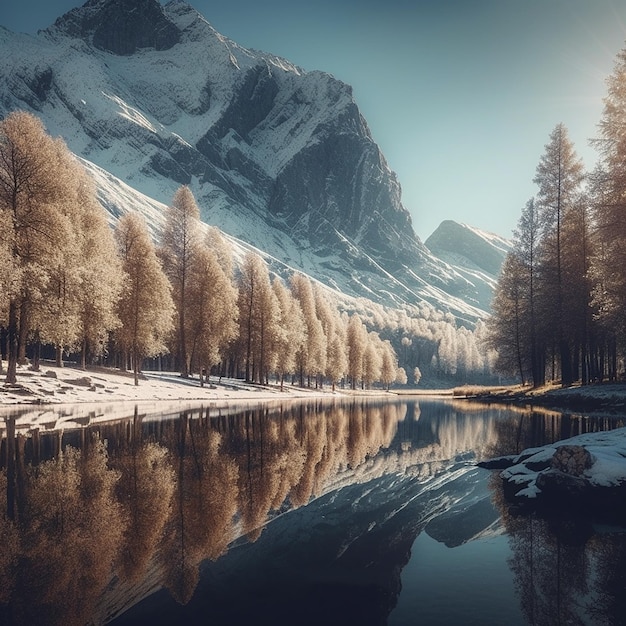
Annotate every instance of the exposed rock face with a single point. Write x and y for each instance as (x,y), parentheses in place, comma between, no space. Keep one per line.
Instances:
(121,26)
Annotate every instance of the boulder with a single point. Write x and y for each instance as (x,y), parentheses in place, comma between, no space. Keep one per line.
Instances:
(572,460)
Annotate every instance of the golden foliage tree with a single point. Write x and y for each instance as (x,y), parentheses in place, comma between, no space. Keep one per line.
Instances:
(34,181)
(146,308)
(180,243)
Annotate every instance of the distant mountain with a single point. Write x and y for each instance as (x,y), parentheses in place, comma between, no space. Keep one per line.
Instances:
(475,254)
(282,159)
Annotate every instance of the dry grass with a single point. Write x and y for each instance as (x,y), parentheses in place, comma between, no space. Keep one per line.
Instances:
(473,391)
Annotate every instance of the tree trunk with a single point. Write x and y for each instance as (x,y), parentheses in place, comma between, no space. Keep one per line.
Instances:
(12,343)
(37,355)
(566,363)
(22,333)
(10,427)
(83,358)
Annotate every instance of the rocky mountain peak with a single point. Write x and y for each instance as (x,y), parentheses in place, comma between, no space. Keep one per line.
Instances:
(120,26)
(461,244)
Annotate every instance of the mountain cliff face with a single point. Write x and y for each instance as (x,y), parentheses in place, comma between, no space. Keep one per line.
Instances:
(276,156)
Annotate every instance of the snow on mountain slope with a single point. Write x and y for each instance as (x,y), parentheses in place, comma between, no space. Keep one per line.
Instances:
(277,157)
(473,253)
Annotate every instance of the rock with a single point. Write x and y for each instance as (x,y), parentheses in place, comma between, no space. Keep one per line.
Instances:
(538,466)
(84,381)
(50,374)
(572,460)
(556,484)
(500,462)
(121,26)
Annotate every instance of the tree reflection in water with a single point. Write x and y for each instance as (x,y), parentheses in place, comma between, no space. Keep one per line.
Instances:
(568,569)
(162,497)
(106,515)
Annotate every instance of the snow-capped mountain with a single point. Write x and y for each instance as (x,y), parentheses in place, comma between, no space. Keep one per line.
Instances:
(474,253)
(152,97)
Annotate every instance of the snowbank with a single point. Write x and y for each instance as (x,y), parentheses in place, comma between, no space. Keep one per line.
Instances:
(586,472)
(62,397)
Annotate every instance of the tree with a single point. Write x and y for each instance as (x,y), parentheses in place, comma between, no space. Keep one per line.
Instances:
(211,309)
(609,201)
(357,341)
(100,276)
(290,333)
(9,274)
(526,240)
(146,307)
(179,246)
(559,176)
(336,361)
(389,365)
(33,183)
(577,298)
(372,359)
(76,307)
(215,240)
(401,377)
(507,331)
(312,355)
(258,315)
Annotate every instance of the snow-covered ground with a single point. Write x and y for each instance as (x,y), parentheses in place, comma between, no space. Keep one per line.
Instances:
(67,397)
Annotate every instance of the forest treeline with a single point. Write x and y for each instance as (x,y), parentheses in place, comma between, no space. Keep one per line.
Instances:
(118,296)
(559,307)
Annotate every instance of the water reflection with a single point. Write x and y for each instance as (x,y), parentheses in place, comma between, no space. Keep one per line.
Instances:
(100,517)
(566,571)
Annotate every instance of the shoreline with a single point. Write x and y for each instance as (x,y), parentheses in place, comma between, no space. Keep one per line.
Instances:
(69,397)
(597,397)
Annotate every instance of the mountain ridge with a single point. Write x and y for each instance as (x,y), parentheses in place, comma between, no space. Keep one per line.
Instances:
(276,156)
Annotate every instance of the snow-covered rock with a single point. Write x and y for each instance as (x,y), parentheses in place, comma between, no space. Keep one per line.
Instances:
(586,472)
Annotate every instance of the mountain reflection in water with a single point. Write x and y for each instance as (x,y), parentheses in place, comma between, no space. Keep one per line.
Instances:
(298,513)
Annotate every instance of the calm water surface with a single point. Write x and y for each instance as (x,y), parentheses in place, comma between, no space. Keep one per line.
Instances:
(345,512)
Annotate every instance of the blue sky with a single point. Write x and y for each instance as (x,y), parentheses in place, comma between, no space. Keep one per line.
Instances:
(461,95)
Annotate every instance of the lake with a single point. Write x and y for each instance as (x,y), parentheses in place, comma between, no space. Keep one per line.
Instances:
(360,511)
